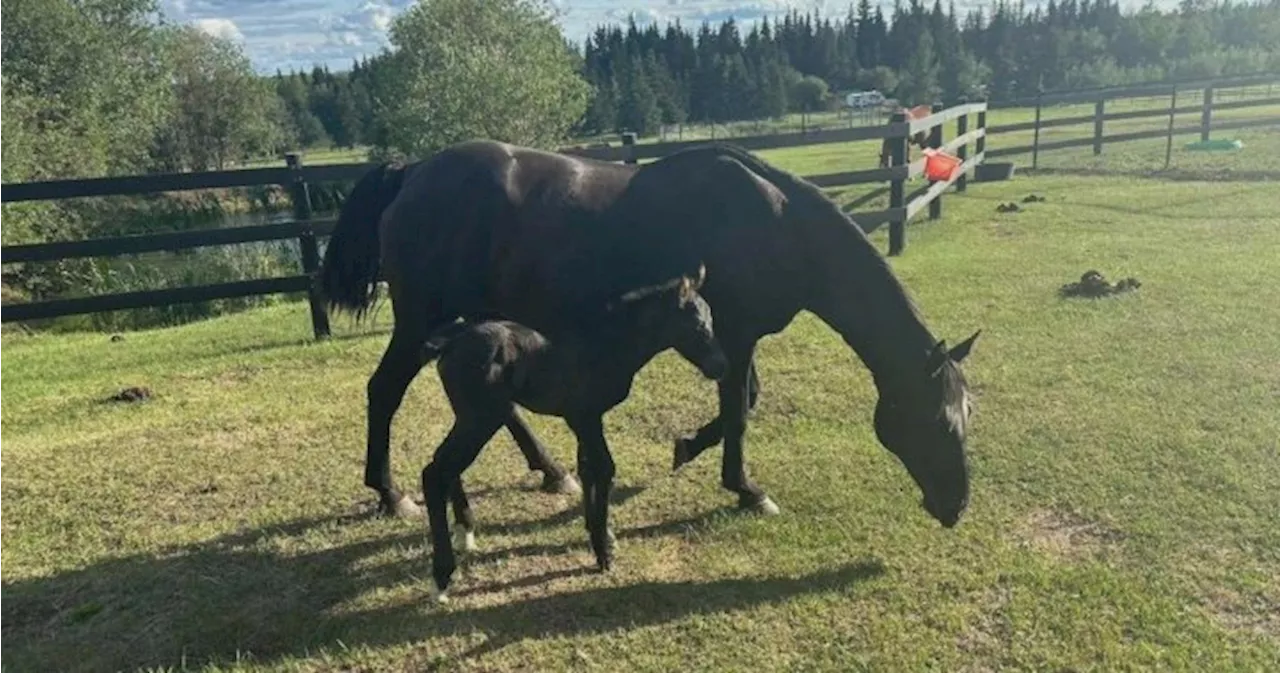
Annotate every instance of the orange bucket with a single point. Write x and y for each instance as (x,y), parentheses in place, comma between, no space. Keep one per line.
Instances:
(939,166)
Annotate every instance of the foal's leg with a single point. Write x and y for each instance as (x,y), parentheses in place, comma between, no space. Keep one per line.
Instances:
(459,449)
(690,447)
(400,363)
(555,479)
(595,465)
(463,517)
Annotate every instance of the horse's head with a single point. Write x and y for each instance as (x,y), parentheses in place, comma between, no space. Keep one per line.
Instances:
(674,315)
(922,420)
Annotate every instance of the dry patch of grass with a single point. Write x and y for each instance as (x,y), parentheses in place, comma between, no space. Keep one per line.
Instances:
(1257,612)
(1066,535)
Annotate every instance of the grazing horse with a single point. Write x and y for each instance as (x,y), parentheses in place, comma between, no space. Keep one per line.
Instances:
(919,139)
(579,375)
(546,239)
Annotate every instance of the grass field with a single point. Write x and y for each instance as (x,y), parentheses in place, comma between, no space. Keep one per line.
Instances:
(1126,480)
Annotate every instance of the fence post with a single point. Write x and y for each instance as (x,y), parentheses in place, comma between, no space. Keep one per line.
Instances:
(629,147)
(897,186)
(1206,114)
(1035,141)
(981,145)
(1168,146)
(935,141)
(301,195)
(962,127)
(1099,109)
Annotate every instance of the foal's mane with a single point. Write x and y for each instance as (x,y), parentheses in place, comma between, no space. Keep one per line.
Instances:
(685,284)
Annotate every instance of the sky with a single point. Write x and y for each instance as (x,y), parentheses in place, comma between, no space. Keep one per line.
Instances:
(298,34)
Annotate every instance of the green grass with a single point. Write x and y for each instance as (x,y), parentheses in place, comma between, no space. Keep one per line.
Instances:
(1126,481)
(317,156)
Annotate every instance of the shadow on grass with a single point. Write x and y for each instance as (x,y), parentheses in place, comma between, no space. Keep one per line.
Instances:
(248,596)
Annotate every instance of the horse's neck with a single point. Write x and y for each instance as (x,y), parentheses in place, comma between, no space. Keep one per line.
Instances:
(857,294)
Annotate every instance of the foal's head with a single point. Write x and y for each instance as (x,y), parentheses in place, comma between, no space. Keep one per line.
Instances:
(674,315)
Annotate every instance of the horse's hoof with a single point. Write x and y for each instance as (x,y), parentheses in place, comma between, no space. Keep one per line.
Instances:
(566,485)
(604,565)
(764,507)
(439,596)
(681,454)
(407,508)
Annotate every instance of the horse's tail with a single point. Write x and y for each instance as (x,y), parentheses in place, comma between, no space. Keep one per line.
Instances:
(349,273)
(438,343)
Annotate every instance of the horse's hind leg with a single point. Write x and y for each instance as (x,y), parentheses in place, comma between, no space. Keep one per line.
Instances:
(555,478)
(690,447)
(400,363)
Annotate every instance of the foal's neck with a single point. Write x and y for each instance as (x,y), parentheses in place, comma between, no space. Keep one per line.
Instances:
(619,347)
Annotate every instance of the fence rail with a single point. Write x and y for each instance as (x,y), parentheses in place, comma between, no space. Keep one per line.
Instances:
(306,230)
(1206,107)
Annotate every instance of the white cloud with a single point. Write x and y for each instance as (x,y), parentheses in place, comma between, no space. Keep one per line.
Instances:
(301,33)
(221,28)
(369,16)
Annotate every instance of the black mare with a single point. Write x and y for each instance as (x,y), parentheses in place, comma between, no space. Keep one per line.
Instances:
(544,238)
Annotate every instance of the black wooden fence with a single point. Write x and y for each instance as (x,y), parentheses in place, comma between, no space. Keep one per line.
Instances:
(298,178)
(1100,117)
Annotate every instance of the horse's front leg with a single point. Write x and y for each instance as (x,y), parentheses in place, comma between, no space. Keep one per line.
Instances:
(733,417)
(597,469)
(692,446)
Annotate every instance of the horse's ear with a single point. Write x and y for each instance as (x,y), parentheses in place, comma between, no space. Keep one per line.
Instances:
(961,351)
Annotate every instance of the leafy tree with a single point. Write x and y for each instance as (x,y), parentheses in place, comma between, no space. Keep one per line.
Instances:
(479,68)
(91,67)
(224,111)
(919,83)
(810,93)
(300,124)
(963,76)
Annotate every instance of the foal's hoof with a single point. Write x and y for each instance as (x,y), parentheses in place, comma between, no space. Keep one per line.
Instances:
(566,485)
(465,540)
(764,507)
(681,454)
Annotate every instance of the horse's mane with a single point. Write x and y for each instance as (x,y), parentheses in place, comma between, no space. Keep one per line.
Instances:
(810,199)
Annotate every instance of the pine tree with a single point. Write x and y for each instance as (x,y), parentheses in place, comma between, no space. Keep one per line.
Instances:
(919,84)
(637,108)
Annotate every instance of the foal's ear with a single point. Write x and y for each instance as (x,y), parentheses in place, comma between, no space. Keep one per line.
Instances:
(701,278)
(961,351)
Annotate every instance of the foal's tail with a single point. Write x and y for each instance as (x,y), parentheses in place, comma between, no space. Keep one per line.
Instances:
(438,343)
(349,273)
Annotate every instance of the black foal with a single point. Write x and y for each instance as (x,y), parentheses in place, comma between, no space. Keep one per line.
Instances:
(487,367)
